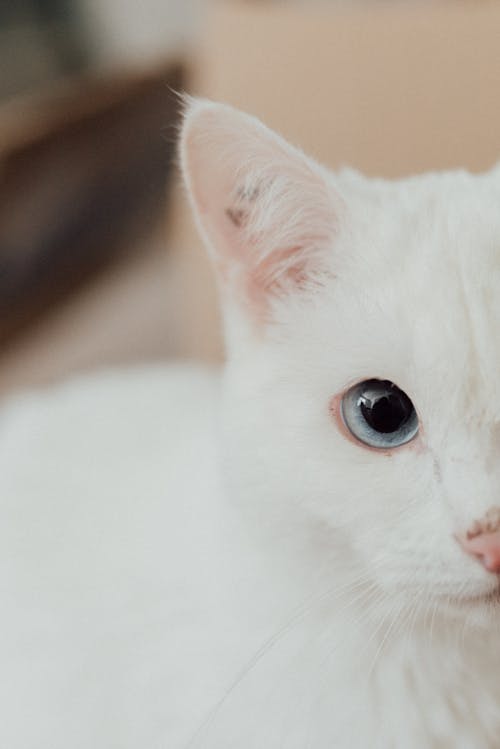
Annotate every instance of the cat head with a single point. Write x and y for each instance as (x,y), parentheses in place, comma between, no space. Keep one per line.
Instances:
(362,321)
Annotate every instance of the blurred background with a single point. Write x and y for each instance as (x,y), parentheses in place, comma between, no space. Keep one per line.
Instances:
(99,261)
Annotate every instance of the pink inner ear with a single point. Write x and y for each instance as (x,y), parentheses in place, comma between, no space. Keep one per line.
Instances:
(264,206)
(264,274)
(281,269)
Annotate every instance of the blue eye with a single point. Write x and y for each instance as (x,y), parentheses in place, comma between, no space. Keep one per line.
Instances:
(379,414)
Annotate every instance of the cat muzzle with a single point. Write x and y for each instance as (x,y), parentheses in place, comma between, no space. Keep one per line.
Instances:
(482,540)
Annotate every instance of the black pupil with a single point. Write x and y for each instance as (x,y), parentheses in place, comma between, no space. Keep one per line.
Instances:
(384,407)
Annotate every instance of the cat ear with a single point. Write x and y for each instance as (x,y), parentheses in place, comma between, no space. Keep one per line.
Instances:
(266,211)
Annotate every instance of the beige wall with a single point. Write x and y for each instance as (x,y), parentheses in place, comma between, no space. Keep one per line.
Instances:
(389,87)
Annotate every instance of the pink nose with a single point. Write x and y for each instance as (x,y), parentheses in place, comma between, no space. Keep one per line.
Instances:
(486,547)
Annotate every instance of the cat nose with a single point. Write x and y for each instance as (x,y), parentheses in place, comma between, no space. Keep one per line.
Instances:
(485,546)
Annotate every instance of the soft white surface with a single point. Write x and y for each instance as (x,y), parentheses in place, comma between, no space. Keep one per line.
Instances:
(95,601)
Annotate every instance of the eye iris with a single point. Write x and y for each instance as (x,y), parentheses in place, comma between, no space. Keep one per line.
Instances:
(387,411)
(379,414)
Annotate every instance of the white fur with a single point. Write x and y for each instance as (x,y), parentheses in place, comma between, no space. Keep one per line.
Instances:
(171,579)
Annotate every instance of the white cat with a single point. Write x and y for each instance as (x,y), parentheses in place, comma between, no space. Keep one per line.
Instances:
(316,569)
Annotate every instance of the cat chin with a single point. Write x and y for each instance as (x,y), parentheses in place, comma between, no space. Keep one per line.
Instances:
(489,602)
(481,610)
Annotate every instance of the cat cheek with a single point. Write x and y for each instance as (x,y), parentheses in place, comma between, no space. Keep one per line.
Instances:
(335,408)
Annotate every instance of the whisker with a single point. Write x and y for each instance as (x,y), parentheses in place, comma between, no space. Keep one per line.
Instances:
(299,614)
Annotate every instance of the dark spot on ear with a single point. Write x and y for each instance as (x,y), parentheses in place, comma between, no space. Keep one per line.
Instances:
(243,197)
(248,194)
(236,216)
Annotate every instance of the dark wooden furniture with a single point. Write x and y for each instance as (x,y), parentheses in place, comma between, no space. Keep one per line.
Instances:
(83,171)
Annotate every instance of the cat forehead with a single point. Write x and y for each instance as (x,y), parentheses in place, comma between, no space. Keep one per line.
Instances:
(418,297)
(431,230)
(464,205)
